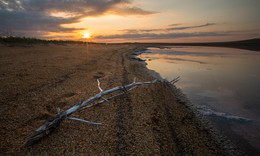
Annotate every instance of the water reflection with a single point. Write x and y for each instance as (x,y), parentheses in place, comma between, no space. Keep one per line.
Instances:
(223,78)
(221,81)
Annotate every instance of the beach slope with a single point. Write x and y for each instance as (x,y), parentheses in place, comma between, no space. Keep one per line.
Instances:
(150,120)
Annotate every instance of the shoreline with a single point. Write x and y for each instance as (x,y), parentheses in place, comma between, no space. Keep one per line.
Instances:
(150,120)
(250,44)
(214,132)
(213,124)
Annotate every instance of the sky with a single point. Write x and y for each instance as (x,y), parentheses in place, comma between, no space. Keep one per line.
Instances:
(132,20)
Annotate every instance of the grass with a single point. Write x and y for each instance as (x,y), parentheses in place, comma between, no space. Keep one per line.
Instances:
(25,40)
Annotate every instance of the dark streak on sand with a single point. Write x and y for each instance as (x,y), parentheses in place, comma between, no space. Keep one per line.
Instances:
(124,116)
(60,80)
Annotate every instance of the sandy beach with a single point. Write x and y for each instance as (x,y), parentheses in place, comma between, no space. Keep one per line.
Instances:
(150,120)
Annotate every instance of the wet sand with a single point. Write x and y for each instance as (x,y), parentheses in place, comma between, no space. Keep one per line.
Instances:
(150,120)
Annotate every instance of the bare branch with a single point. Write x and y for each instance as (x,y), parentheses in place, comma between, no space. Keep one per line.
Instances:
(92,99)
(175,80)
(58,110)
(51,124)
(105,99)
(101,90)
(84,121)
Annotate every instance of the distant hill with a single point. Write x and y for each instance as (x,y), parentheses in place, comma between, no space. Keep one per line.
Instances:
(251,44)
(250,41)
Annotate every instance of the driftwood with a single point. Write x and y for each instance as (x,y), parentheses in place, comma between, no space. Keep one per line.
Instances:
(175,80)
(51,124)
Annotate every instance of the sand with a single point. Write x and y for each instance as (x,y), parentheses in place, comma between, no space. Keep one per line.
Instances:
(150,120)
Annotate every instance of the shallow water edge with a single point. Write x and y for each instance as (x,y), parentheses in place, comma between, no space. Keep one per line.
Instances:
(213,124)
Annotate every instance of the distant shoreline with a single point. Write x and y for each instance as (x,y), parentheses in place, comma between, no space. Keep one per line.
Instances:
(250,44)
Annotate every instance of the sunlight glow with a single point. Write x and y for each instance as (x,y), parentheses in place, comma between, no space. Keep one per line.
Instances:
(87,35)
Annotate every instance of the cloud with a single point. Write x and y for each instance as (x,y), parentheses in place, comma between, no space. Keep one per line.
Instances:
(24,20)
(146,36)
(191,27)
(131,11)
(172,25)
(78,8)
(43,16)
(135,31)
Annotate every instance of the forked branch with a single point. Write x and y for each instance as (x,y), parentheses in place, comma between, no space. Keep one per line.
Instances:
(51,124)
(175,80)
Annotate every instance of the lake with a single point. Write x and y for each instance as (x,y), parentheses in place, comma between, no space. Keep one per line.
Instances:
(222,83)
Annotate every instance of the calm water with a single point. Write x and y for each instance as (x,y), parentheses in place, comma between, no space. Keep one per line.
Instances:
(220,82)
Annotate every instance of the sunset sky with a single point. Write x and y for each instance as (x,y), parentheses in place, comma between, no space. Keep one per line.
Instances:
(132,20)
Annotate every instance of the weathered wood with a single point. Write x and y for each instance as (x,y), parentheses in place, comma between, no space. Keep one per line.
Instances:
(175,80)
(52,124)
(84,121)
(46,128)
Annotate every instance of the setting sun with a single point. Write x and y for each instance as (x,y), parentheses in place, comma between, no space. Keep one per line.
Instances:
(87,35)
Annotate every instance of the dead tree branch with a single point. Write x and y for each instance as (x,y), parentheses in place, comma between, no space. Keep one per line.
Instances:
(51,124)
(175,80)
